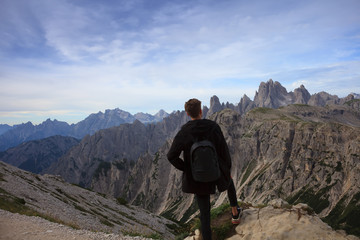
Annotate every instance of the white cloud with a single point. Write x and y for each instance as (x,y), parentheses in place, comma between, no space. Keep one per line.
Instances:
(65,56)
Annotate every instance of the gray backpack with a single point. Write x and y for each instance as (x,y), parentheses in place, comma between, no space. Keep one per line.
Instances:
(204,162)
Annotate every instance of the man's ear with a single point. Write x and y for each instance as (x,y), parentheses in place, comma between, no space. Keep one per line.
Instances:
(187,114)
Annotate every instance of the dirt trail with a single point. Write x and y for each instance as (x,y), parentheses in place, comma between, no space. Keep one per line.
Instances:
(20,227)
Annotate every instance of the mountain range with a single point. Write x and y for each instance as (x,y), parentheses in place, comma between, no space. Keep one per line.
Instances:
(290,145)
(13,136)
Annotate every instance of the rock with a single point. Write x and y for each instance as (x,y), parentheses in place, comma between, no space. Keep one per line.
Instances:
(277,223)
(279,203)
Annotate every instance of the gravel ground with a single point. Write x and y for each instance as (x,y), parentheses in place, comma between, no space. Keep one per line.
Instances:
(20,227)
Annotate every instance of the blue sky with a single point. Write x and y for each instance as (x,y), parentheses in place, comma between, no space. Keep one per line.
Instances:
(66,59)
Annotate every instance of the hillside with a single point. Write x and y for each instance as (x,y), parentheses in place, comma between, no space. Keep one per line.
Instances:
(53,199)
(37,155)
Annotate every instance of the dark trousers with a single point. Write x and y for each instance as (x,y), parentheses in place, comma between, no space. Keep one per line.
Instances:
(204,207)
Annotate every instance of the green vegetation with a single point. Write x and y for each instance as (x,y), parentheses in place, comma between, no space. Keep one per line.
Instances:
(66,195)
(18,205)
(317,200)
(351,102)
(102,168)
(346,217)
(261,110)
(120,165)
(106,222)
(191,210)
(2,179)
(137,234)
(251,166)
(338,167)
(122,201)
(139,199)
(169,213)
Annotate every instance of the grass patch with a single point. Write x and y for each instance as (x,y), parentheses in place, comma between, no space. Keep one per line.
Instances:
(346,217)
(317,200)
(262,110)
(122,201)
(18,205)
(251,166)
(102,168)
(106,222)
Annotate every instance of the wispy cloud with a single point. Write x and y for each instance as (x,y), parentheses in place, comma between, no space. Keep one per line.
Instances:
(86,56)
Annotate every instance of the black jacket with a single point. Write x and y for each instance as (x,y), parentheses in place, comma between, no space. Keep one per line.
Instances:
(200,129)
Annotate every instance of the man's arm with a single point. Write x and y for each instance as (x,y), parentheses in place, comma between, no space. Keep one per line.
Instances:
(174,153)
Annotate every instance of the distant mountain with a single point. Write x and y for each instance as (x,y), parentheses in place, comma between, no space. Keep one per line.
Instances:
(123,144)
(37,155)
(27,132)
(148,118)
(273,95)
(4,128)
(94,122)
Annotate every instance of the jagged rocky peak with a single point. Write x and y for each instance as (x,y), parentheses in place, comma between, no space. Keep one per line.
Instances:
(161,114)
(215,105)
(301,95)
(244,105)
(271,94)
(323,98)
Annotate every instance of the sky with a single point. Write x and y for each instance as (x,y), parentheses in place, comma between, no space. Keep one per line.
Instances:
(66,59)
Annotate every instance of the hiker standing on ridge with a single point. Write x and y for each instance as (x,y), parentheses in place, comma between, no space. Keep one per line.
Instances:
(191,132)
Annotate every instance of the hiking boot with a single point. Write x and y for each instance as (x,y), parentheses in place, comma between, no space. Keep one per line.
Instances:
(236,219)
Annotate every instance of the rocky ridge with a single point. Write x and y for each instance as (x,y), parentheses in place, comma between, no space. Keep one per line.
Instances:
(17,134)
(115,148)
(37,155)
(273,95)
(50,197)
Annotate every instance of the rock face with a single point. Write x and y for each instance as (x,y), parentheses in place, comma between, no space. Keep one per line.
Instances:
(272,95)
(49,196)
(37,155)
(122,145)
(300,153)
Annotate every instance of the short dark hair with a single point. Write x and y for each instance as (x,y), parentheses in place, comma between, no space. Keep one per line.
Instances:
(193,107)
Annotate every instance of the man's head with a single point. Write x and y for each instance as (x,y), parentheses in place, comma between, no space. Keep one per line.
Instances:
(193,108)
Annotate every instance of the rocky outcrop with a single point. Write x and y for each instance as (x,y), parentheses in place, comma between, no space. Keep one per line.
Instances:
(291,223)
(215,105)
(272,95)
(37,155)
(301,95)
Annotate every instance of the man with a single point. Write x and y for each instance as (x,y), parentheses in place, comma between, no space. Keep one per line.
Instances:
(199,128)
